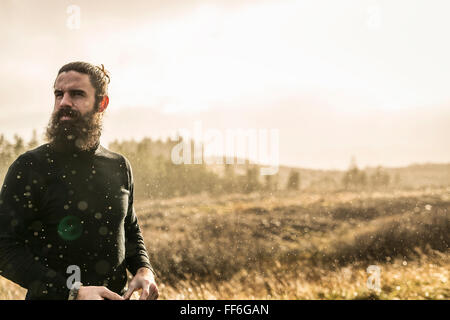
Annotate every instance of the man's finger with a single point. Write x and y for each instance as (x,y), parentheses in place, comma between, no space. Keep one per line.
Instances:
(154,294)
(129,292)
(108,294)
(144,294)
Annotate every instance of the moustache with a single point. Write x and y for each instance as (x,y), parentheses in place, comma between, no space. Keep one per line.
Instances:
(67,112)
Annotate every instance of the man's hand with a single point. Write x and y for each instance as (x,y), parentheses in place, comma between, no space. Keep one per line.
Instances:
(145,280)
(97,293)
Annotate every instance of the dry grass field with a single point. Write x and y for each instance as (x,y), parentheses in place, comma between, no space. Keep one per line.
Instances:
(297,245)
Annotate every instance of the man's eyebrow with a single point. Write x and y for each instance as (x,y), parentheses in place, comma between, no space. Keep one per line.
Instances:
(77,91)
(71,91)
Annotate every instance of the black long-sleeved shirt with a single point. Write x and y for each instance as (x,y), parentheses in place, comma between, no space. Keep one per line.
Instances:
(61,209)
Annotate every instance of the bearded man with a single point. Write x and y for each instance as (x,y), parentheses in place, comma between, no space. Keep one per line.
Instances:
(68,229)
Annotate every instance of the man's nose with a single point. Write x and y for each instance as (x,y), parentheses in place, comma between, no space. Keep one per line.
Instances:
(66,101)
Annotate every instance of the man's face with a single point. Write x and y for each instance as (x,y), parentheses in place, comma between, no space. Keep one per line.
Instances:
(75,121)
(74,93)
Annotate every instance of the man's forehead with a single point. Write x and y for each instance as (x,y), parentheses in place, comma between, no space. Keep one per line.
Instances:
(72,79)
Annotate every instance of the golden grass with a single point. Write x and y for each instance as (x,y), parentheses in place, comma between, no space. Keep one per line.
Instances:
(400,280)
(296,245)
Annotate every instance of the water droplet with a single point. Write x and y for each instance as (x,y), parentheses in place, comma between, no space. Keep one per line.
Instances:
(82,205)
(103,230)
(79,142)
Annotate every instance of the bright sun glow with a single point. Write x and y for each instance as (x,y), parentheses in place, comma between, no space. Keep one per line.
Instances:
(213,57)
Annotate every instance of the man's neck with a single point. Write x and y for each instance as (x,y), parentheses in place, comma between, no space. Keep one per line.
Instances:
(70,148)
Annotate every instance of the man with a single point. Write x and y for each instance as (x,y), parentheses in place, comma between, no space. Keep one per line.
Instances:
(67,206)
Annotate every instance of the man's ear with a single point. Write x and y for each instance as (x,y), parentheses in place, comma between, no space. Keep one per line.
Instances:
(103,104)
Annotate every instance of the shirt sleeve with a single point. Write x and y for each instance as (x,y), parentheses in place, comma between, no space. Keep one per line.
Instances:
(136,255)
(19,206)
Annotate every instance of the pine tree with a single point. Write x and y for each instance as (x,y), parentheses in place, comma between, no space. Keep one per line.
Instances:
(293,180)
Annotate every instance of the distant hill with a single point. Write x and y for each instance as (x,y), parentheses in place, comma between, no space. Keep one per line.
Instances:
(412,176)
(420,175)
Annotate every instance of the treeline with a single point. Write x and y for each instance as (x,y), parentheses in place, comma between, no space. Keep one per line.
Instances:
(156,175)
(355,178)
(9,151)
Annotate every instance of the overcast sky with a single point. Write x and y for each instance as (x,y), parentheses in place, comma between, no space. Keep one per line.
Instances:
(347,78)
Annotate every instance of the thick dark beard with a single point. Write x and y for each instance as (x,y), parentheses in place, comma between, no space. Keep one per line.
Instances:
(81,133)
